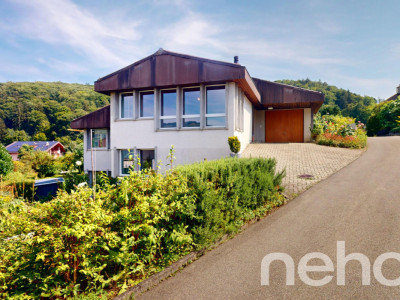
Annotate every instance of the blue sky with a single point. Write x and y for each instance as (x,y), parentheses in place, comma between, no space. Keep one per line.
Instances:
(351,44)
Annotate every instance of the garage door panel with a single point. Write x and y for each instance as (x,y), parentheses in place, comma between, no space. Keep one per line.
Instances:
(284,126)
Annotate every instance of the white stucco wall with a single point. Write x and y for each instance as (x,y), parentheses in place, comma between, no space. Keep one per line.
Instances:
(307,124)
(190,145)
(101,157)
(245,136)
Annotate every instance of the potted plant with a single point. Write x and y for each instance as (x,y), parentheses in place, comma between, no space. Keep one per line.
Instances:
(234,145)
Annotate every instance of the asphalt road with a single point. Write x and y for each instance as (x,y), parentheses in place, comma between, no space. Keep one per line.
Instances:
(359,205)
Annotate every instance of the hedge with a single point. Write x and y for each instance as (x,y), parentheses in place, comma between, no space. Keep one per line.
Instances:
(80,243)
(229,192)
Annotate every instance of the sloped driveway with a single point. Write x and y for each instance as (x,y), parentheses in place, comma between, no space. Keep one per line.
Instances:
(305,164)
(359,205)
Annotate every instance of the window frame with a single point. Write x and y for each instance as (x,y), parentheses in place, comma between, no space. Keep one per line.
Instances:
(140,104)
(91,139)
(217,115)
(169,117)
(120,168)
(139,154)
(120,106)
(183,116)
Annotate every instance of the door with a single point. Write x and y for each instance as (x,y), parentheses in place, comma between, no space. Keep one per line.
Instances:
(284,126)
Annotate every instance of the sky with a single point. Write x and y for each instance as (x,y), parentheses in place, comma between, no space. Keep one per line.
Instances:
(351,44)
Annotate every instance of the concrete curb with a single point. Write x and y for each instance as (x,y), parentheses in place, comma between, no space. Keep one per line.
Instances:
(156,278)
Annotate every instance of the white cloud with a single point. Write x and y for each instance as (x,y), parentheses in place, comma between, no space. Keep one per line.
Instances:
(63,66)
(61,22)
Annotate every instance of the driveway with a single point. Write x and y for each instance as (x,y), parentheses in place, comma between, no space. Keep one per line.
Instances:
(305,163)
(360,205)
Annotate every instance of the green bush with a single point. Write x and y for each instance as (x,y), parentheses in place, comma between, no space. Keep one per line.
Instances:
(41,162)
(234,144)
(229,192)
(6,162)
(81,243)
(383,118)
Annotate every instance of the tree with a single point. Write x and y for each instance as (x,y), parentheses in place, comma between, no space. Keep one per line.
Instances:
(25,150)
(16,135)
(6,161)
(330,109)
(40,136)
(41,162)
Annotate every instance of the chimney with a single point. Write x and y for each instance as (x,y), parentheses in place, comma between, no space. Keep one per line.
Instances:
(236,59)
(398,89)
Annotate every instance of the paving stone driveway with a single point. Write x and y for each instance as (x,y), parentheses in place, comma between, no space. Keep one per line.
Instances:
(304,159)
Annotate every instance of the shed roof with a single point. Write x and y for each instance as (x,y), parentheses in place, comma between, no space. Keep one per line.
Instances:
(37,145)
(279,95)
(98,119)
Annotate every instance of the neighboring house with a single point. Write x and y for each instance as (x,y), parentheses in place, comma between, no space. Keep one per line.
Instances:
(394,97)
(194,104)
(54,148)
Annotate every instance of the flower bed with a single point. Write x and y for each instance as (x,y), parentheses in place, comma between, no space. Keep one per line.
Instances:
(338,131)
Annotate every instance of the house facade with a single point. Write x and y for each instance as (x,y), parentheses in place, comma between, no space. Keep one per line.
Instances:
(194,104)
(54,148)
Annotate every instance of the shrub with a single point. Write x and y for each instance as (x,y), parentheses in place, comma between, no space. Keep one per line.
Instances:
(6,162)
(383,118)
(84,243)
(41,162)
(338,131)
(234,144)
(21,185)
(228,191)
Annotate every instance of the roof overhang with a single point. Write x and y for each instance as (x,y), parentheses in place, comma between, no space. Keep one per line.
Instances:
(167,69)
(282,96)
(97,119)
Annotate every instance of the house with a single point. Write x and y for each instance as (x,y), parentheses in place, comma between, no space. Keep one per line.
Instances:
(54,148)
(194,104)
(394,97)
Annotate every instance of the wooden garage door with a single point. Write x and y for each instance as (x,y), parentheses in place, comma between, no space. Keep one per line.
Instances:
(284,126)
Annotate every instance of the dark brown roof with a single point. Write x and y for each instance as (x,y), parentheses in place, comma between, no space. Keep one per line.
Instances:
(97,119)
(278,95)
(394,97)
(165,69)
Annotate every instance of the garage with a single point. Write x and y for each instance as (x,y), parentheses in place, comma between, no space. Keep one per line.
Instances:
(284,126)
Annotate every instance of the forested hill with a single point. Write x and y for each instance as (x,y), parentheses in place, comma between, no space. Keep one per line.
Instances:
(338,100)
(44,110)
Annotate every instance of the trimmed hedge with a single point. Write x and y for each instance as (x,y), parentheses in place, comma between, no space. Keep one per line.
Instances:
(81,243)
(228,192)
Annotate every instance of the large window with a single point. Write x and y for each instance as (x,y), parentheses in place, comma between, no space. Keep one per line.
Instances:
(99,138)
(191,107)
(127,161)
(168,109)
(215,106)
(126,106)
(146,159)
(146,104)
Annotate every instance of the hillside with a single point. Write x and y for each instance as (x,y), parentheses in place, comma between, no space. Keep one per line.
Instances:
(337,100)
(44,110)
